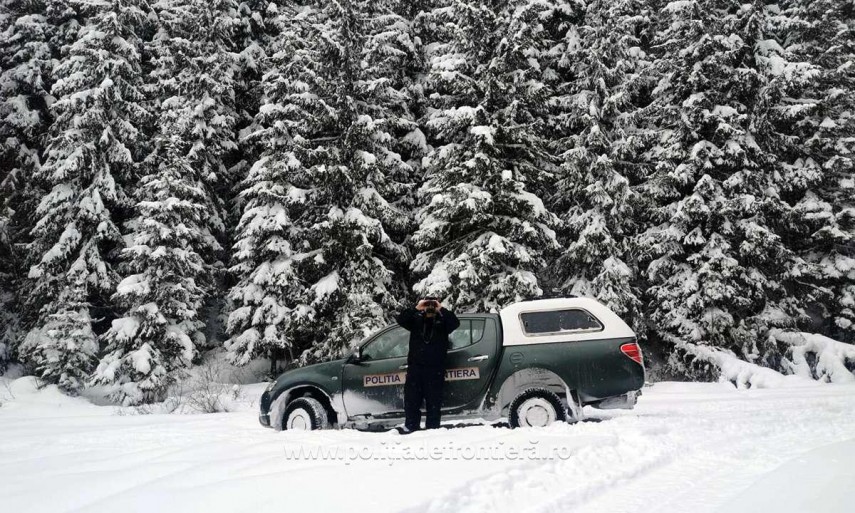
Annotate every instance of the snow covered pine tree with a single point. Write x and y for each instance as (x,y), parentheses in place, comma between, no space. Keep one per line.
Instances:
(90,159)
(813,127)
(601,71)
(25,60)
(313,243)
(172,248)
(699,153)
(482,233)
(716,267)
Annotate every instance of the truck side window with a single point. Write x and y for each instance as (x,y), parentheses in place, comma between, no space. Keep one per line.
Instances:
(471,331)
(394,343)
(558,321)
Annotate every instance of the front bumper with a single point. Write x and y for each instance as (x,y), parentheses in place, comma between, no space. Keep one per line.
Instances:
(264,407)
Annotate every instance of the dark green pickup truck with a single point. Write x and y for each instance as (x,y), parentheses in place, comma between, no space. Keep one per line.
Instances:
(535,362)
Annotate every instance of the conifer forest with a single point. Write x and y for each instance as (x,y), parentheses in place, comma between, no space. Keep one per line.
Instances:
(274,180)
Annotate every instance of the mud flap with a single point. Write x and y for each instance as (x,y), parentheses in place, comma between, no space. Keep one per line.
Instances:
(575,412)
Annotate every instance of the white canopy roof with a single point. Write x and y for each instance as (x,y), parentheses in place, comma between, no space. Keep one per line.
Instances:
(514,335)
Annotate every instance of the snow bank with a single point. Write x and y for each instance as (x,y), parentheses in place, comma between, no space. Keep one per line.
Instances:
(214,385)
(808,358)
(211,387)
(744,374)
(818,357)
(27,395)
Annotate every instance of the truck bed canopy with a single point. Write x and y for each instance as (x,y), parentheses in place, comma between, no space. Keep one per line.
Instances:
(545,321)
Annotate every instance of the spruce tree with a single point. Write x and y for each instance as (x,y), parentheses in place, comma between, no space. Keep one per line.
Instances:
(160,329)
(25,60)
(388,78)
(9,309)
(352,287)
(250,42)
(600,75)
(313,242)
(268,285)
(812,126)
(33,33)
(90,159)
(483,233)
(8,313)
(172,250)
(716,267)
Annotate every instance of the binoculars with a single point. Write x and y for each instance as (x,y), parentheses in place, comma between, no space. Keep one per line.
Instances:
(431,303)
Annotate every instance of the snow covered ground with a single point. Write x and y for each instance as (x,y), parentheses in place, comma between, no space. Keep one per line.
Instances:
(699,447)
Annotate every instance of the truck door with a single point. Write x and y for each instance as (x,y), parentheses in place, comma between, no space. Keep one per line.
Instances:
(375,385)
(472,355)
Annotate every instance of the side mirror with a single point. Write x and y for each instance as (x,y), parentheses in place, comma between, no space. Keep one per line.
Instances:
(355,356)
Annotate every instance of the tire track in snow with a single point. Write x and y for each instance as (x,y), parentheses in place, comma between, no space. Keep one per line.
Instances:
(533,485)
(692,457)
(739,448)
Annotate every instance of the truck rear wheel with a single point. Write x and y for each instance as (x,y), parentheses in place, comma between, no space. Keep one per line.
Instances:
(305,414)
(536,407)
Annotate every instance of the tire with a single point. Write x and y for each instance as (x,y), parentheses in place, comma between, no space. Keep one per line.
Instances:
(536,407)
(306,414)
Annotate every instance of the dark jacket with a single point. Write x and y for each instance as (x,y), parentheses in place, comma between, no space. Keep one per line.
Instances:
(428,336)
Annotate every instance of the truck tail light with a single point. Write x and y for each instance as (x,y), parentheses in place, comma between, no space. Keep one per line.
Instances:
(632,351)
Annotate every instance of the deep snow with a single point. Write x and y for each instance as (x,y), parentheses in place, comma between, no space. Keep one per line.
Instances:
(699,447)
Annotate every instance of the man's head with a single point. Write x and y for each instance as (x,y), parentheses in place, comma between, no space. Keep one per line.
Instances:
(430,305)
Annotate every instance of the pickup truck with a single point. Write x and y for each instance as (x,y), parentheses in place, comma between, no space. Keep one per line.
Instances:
(535,362)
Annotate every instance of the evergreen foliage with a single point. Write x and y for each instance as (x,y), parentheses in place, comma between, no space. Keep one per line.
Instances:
(89,160)
(718,269)
(172,245)
(483,235)
(298,170)
(601,69)
(814,124)
(314,240)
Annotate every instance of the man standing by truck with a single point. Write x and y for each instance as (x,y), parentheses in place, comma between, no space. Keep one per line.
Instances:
(429,324)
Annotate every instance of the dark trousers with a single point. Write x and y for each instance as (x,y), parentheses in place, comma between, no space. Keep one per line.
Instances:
(423,384)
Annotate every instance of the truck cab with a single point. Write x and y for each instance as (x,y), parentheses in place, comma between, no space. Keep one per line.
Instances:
(534,362)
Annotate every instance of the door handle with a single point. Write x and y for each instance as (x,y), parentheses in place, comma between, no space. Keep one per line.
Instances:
(479,358)
(403,367)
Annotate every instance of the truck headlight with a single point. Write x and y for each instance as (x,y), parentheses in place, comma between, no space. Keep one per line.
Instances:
(270,386)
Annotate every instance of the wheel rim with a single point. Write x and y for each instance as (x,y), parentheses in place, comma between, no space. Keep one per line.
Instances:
(299,420)
(536,412)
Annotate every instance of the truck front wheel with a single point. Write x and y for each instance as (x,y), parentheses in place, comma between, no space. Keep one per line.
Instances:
(306,414)
(536,407)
